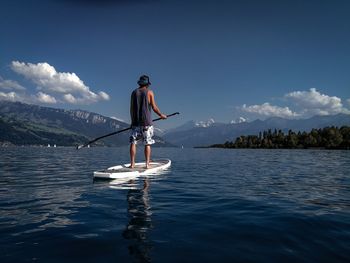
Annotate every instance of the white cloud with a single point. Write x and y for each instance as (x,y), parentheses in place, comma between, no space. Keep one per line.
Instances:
(313,102)
(7,84)
(68,85)
(103,95)
(40,97)
(303,104)
(13,91)
(69,98)
(269,110)
(45,98)
(11,96)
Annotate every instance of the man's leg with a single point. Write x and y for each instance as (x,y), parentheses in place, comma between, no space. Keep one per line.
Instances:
(147,155)
(147,134)
(132,155)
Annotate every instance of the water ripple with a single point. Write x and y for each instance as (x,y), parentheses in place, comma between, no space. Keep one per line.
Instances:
(245,205)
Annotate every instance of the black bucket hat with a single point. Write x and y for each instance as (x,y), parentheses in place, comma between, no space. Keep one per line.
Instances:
(144,81)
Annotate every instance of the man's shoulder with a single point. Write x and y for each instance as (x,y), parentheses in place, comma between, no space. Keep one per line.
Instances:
(134,91)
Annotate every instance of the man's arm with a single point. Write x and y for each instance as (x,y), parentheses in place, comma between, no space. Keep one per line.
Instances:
(131,106)
(154,105)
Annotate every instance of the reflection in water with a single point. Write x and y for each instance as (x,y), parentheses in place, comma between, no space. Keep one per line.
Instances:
(140,222)
(40,189)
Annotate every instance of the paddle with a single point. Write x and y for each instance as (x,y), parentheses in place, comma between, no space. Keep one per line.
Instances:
(116,132)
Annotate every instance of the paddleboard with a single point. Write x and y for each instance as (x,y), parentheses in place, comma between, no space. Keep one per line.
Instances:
(123,171)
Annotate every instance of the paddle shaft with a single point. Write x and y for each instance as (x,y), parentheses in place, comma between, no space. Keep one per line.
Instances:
(116,132)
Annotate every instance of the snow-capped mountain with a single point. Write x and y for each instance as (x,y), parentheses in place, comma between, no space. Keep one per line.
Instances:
(192,124)
(204,124)
(23,124)
(239,120)
(190,134)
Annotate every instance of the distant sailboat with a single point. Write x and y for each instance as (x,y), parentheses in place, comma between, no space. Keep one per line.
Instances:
(54,145)
(48,145)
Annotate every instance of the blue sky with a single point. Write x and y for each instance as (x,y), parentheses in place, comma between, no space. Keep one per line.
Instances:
(206,59)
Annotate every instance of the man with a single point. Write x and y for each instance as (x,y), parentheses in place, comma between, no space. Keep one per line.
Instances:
(141,104)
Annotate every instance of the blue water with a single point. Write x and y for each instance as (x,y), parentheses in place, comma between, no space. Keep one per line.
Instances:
(213,205)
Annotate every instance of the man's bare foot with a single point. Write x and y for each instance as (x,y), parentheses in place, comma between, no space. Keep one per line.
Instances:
(131,166)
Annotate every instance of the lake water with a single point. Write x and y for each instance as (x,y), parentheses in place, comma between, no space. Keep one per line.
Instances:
(213,205)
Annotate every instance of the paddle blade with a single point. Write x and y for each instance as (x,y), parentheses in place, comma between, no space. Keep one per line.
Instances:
(81,146)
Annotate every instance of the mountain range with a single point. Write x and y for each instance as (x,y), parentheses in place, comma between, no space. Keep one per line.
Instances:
(27,124)
(191,134)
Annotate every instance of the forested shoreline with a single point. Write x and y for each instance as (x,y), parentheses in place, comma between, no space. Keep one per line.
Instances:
(326,138)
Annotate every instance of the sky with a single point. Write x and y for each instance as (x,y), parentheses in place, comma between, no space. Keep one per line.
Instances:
(227,60)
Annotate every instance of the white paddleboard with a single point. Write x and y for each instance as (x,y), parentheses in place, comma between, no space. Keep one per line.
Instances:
(123,171)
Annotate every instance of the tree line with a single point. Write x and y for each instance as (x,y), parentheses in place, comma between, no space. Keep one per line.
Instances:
(327,138)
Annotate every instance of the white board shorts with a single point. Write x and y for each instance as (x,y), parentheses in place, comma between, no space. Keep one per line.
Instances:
(142,132)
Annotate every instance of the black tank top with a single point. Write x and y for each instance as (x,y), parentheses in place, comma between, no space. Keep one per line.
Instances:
(140,108)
